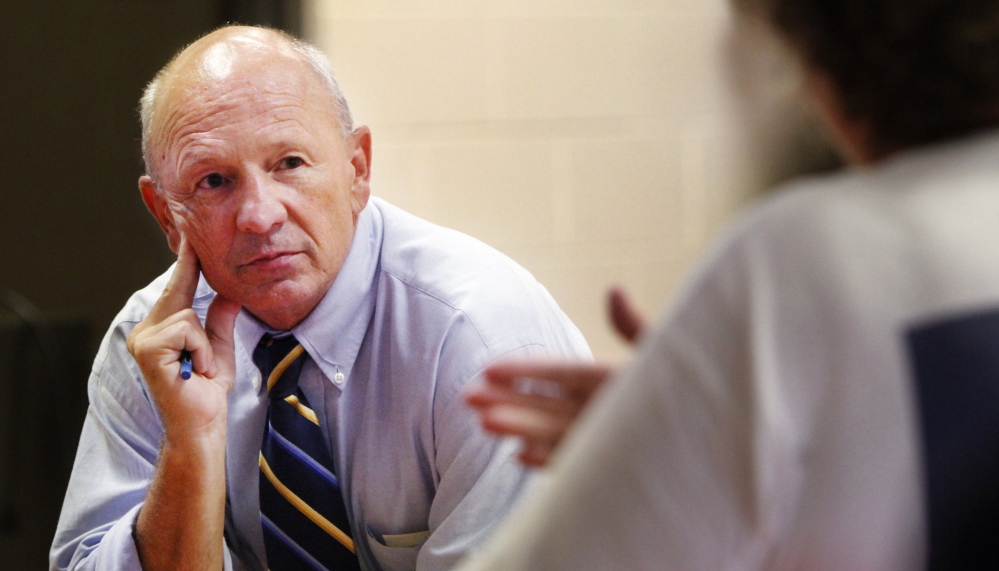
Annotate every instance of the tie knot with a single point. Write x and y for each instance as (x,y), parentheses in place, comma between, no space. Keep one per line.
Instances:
(280,360)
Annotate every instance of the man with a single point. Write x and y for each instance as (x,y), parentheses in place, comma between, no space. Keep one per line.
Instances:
(368,321)
(822,394)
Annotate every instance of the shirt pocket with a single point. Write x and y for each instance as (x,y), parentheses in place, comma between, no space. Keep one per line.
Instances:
(397,550)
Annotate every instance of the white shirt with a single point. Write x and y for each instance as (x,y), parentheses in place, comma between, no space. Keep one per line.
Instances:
(416,312)
(771,420)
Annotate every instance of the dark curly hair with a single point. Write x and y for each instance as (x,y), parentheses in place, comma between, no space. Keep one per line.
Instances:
(919,71)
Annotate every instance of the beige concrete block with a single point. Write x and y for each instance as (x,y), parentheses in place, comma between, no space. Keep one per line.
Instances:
(591,140)
(497,192)
(571,67)
(586,254)
(582,293)
(626,190)
(579,276)
(419,70)
(401,174)
(677,62)
(519,8)
(714,180)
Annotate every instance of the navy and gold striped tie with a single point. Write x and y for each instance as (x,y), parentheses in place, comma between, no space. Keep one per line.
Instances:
(302,510)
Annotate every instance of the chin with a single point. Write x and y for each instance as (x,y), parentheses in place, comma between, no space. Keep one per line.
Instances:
(282,305)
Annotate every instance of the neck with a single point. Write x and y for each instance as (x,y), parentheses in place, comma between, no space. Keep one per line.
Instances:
(851,136)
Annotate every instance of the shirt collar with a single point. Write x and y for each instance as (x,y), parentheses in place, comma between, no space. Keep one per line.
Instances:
(333,332)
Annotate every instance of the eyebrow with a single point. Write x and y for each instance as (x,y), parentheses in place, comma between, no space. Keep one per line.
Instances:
(193,163)
(197,154)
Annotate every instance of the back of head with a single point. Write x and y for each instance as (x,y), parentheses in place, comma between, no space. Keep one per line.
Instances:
(918,71)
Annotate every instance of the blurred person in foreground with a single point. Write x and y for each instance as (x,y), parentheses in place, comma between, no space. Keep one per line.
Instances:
(824,391)
(331,336)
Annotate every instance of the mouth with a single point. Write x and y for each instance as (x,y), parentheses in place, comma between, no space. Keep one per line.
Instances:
(270,259)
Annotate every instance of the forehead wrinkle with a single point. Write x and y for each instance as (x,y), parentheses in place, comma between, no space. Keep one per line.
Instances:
(191,115)
(201,150)
(284,130)
(200,102)
(223,54)
(192,100)
(198,147)
(210,127)
(189,88)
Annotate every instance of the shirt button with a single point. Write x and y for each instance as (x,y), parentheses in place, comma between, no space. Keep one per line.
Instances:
(338,379)
(256,382)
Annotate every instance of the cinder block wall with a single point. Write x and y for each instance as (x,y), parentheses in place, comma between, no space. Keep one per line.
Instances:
(594,141)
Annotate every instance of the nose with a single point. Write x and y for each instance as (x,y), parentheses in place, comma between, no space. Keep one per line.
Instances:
(261,209)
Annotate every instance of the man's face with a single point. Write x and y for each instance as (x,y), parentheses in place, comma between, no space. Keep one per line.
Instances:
(254,174)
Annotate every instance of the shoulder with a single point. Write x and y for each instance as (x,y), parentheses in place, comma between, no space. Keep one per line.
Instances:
(412,245)
(854,218)
(842,245)
(894,196)
(798,252)
(813,222)
(441,270)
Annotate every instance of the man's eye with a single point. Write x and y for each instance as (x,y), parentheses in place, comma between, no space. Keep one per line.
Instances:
(292,162)
(213,180)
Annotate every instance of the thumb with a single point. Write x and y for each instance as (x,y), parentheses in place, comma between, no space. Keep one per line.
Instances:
(628,322)
(219,324)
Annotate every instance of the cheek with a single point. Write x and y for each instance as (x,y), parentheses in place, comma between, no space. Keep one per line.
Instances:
(339,219)
(324,204)
(332,231)
(194,214)
(207,230)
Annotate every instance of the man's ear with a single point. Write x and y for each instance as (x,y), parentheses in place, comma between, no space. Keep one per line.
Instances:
(160,210)
(360,159)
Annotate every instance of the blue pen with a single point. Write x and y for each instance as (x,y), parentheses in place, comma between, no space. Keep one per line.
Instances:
(185,365)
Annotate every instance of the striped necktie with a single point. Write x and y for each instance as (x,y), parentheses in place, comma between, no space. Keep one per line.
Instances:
(302,510)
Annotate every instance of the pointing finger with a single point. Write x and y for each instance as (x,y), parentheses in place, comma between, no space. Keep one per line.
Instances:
(180,290)
(491,396)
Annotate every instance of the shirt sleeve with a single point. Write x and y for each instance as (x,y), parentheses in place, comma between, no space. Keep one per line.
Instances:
(480,477)
(114,466)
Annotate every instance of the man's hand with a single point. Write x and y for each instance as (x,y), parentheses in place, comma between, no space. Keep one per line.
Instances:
(188,408)
(539,401)
(181,522)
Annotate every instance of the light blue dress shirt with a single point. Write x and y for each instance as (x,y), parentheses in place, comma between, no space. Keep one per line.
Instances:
(415,314)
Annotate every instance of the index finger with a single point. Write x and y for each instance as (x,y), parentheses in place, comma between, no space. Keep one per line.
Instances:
(179,291)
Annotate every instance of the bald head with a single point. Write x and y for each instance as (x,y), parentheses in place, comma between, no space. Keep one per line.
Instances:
(218,56)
